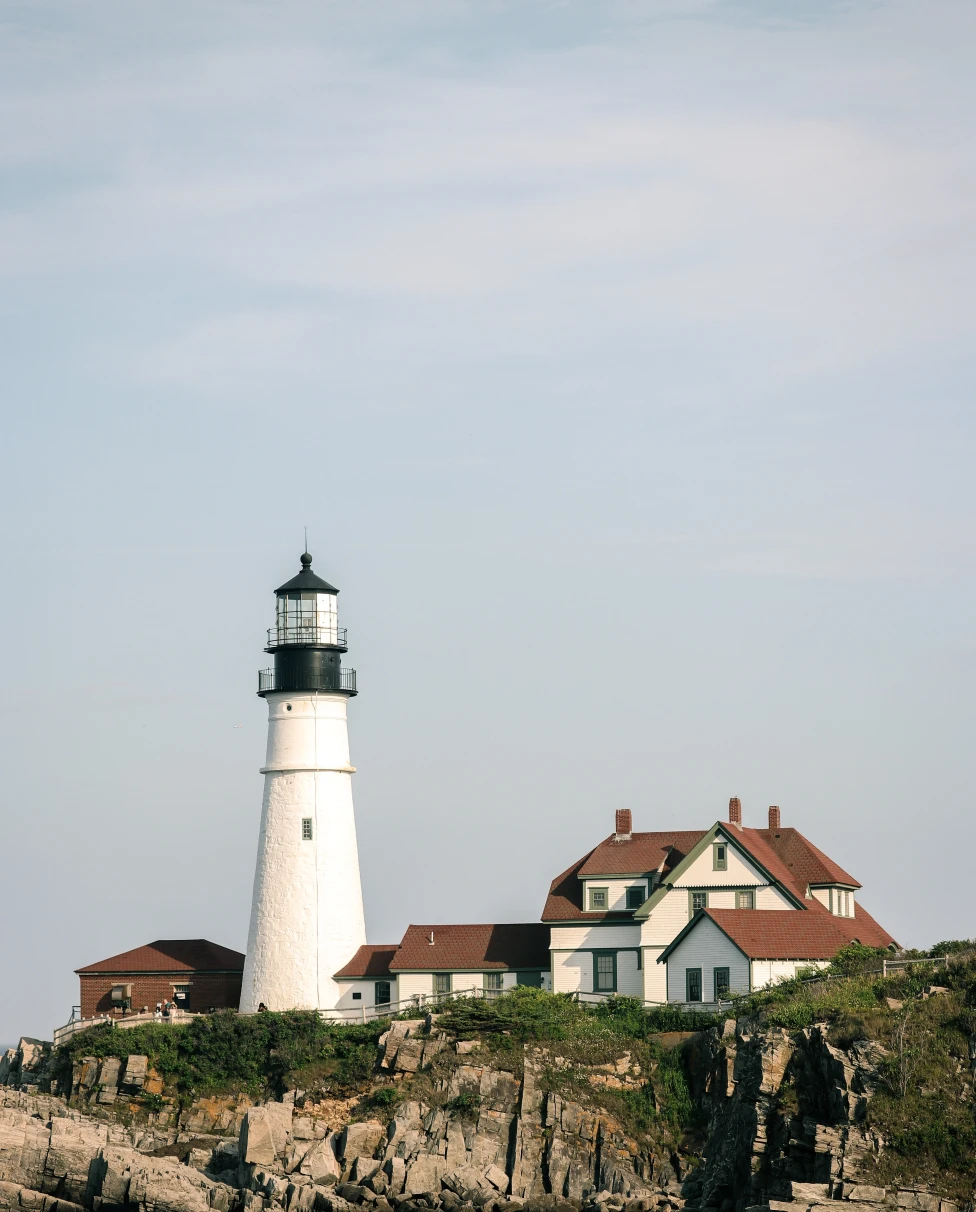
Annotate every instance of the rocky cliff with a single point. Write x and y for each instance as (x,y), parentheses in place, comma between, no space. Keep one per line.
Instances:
(768,1119)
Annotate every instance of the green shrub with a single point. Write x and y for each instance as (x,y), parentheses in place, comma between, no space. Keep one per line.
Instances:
(855,959)
(227,1051)
(385,1098)
(952,947)
(464,1104)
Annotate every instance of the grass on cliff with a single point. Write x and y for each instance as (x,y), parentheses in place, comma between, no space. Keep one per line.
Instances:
(257,1054)
(270,1053)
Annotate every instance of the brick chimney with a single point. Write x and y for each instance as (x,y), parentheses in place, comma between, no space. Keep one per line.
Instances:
(622,825)
(735,811)
(773,816)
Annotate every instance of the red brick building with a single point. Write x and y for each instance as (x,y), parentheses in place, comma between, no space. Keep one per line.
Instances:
(195,973)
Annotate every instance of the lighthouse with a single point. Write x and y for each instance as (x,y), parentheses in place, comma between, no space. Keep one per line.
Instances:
(307,907)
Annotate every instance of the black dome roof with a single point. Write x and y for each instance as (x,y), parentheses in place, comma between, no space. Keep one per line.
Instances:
(306,581)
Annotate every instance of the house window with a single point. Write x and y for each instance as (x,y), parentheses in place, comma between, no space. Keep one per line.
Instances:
(720,857)
(381,993)
(636,896)
(493,982)
(598,898)
(306,828)
(442,983)
(693,984)
(699,900)
(357,997)
(604,971)
(745,898)
(722,984)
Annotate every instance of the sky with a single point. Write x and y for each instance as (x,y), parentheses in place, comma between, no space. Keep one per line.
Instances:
(617,357)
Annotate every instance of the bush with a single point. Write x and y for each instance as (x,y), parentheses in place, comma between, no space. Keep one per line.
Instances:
(255,1053)
(855,959)
(465,1104)
(952,947)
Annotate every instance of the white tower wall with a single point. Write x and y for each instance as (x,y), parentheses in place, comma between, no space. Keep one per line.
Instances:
(307,910)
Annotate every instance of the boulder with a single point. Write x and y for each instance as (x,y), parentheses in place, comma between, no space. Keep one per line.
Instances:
(361,1140)
(136,1069)
(257,1142)
(424,1174)
(396,1171)
(320,1162)
(497,1177)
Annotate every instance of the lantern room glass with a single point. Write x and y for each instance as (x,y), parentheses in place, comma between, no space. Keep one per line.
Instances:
(307,618)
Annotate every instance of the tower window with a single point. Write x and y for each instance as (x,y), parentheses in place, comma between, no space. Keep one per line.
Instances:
(306,828)
(720,860)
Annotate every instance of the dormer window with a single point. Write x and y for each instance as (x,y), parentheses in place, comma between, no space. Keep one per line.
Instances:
(720,857)
(598,900)
(636,896)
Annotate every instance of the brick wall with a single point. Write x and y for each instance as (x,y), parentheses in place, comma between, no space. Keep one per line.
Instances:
(222,990)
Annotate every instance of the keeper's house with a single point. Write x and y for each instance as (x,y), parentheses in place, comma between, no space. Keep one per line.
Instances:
(194,973)
(677,915)
(722,952)
(435,961)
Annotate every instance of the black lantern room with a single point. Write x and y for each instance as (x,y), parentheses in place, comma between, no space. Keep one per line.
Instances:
(306,639)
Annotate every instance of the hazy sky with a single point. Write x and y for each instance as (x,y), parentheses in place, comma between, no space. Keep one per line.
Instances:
(619,358)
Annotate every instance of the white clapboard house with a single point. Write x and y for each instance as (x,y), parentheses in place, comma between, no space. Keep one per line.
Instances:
(683,916)
(694,915)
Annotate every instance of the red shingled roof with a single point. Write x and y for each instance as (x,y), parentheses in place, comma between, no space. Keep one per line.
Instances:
(807,864)
(565,900)
(521,945)
(640,853)
(781,934)
(786,855)
(172,955)
(372,961)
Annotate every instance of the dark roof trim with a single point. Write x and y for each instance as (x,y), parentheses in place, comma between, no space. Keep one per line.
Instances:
(733,838)
(181,972)
(610,917)
(699,914)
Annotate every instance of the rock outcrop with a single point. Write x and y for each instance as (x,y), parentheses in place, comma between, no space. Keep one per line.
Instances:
(784,1128)
(787,1123)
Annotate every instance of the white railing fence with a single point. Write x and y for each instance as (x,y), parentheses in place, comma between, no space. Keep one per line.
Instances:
(435,1001)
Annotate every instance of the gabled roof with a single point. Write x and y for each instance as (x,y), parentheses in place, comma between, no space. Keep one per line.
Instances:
(475,948)
(372,961)
(565,900)
(640,853)
(805,861)
(778,933)
(171,955)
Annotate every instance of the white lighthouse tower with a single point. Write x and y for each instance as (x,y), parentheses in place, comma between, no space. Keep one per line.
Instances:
(307,911)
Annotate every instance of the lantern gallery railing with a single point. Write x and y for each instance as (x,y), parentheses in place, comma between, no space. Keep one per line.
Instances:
(306,633)
(310,681)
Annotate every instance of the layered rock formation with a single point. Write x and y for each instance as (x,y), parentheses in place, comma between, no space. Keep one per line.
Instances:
(782,1126)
